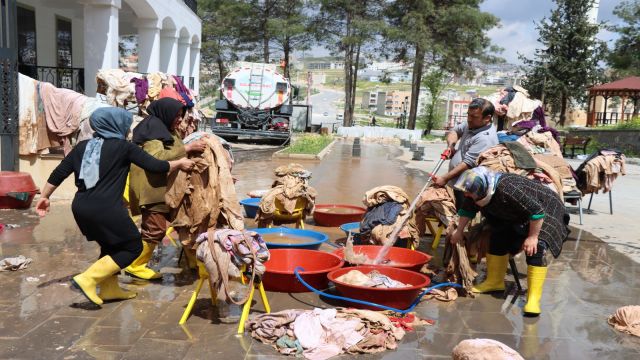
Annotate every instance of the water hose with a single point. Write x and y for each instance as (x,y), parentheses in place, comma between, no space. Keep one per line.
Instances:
(415,303)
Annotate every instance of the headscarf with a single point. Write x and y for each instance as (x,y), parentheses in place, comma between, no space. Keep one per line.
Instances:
(108,123)
(157,125)
(480,181)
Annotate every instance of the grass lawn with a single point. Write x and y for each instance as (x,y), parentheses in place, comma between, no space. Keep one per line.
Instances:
(309,144)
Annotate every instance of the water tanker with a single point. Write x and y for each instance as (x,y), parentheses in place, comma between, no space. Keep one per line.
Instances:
(255,102)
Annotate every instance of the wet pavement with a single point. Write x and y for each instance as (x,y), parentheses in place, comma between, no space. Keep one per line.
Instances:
(41,318)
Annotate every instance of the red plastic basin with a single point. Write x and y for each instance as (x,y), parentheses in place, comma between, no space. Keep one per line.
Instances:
(279,274)
(334,215)
(399,298)
(16,182)
(400,258)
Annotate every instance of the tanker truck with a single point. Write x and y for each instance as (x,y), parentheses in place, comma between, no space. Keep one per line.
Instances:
(254,102)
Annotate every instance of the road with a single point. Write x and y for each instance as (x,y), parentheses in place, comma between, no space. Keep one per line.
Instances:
(325,102)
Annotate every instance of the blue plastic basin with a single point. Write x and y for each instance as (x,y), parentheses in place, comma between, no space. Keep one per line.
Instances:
(354,227)
(315,238)
(250,206)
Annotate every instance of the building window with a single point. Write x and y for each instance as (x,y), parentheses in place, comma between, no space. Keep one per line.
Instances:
(27,51)
(63,41)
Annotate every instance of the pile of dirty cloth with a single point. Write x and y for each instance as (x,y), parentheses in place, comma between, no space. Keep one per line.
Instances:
(386,206)
(373,279)
(484,349)
(626,319)
(289,191)
(205,197)
(514,104)
(600,170)
(323,333)
(435,202)
(512,157)
(224,254)
(15,263)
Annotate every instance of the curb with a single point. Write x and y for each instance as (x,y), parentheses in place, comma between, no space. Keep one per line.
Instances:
(280,154)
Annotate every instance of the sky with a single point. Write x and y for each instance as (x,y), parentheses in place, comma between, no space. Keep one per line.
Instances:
(517,32)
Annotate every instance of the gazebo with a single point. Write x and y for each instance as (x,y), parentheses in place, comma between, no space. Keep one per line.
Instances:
(626,89)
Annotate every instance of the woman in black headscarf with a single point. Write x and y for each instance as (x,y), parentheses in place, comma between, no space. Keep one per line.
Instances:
(157,136)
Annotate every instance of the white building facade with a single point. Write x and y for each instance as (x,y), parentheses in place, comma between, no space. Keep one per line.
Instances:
(67,41)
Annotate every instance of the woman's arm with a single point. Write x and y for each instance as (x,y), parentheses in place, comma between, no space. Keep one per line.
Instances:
(150,163)
(530,245)
(43,205)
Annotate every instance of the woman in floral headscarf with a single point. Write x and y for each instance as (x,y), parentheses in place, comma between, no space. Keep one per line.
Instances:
(524,215)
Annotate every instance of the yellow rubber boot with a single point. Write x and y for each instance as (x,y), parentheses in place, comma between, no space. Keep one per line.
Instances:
(111,290)
(138,267)
(496,270)
(87,281)
(535,281)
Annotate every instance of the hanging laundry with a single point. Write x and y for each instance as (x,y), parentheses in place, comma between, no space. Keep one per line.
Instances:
(205,197)
(183,91)
(141,90)
(600,170)
(435,202)
(62,109)
(224,252)
(117,85)
(373,279)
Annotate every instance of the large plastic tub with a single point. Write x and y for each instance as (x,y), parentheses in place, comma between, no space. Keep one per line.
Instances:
(400,258)
(17,190)
(250,206)
(334,215)
(315,238)
(399,298)
(279,274)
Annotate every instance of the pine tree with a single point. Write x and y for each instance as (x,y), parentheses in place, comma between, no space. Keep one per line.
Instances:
(625,55)
(567,64)
(441,33)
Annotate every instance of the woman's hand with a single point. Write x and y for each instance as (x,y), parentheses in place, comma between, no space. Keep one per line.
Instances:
(186,164)
(456,237)
(42,206)
(530,245)
(195,147)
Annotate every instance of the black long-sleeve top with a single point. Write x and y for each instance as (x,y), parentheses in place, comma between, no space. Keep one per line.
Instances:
(100,211)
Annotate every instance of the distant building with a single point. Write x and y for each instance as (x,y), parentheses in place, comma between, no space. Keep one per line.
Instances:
(326,63)
(458,111)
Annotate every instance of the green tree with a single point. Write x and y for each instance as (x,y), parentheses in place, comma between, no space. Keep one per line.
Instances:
(442,33)
(292,29)
(224,34)
(434,80)
(625,55)
(261,13)
(567,63)
(349,26)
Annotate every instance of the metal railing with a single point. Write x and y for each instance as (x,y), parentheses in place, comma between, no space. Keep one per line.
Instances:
(67,78)
(192,4)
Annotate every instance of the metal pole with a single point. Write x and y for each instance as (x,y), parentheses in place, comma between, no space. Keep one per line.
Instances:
(9,89)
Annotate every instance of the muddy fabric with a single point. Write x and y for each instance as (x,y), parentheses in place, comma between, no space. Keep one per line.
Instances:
(380,234)
(205,197)
(626,319)
(224,252)
(290,186)
(382,214)
(521,157)
(118,86)
(407,321)
(599,172)
(15,263)
(559,164)
(438,202)
(146,188)
(27,116)
(373,279)
(62,108)
(450,294)
(323,333)
(540,143)
(85,130)
(484,349)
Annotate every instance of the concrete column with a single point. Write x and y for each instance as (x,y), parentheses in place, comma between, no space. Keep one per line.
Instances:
(169,52)
(195,67)
(100,39)
(148,46)
(184,59)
